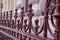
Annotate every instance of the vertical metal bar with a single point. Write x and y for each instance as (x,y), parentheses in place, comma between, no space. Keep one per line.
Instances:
(7,22)
(10,17)
(22,16)
(6,17)
(16,15)
(10,20)
(1,18)
(46,18)
(30,14)
(57,16)
(18,27)
(25,30)
(36,27)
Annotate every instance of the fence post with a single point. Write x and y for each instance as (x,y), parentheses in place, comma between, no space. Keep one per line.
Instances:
(57,16)
(46,18)
(22,16)
(1,18)
(25,28)
(13,26)
(16,15)
(18,27)
(10,21)
(30,14)
(10,17)
(36,28)
(6,17)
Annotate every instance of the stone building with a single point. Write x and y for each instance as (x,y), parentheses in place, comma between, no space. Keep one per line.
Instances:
(8,5)
(1,6)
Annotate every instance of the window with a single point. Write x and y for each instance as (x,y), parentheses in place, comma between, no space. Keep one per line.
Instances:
(1,5)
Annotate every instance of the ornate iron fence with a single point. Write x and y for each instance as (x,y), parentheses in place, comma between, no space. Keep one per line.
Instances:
(15,29)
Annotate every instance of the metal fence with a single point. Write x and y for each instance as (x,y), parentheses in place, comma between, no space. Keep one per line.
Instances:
(15,30)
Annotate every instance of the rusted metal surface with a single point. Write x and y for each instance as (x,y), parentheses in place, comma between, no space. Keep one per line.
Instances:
(26,33)
(14,38)
(18,29)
